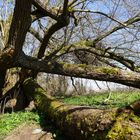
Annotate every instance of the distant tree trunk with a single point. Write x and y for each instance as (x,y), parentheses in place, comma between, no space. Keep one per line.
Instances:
(85,123)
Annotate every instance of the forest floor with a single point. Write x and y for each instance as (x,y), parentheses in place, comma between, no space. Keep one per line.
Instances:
(27,125)
(34,126)
(30,132)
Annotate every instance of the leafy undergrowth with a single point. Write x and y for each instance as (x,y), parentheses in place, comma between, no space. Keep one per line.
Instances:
(99,100)
(9,122)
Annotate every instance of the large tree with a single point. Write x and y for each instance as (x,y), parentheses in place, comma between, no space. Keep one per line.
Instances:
(96,40)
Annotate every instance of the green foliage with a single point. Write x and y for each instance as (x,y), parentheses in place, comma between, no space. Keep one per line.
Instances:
(118,99)
(8,122)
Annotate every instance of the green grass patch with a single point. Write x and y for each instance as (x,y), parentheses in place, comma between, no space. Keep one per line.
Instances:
(8,122)
(117,99)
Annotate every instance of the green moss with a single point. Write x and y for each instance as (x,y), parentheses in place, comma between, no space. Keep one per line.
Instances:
(68,118)
(89,43)
(81,42)
(82,65)
(109,70)
(137,69)
(119,132)
(122,130)
(115,131)
(134,118)
(55,104)
(66,65)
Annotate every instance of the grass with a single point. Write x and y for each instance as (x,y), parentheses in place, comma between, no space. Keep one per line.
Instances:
(8,122)
(117,99)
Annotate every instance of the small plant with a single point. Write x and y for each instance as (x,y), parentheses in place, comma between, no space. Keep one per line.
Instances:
(8,122)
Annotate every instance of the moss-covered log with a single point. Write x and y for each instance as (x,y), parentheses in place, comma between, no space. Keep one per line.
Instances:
(85,123)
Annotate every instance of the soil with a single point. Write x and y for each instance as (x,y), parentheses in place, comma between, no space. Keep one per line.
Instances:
(30,132)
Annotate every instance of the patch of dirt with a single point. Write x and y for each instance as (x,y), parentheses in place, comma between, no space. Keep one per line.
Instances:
(30,132)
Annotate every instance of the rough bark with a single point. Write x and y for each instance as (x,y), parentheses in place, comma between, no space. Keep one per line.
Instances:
(85,123)
(110,74)
(20,24)
(6,61)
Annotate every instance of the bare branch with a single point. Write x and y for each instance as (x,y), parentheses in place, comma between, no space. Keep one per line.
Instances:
(87,46)
(41,9)
(126,23)
(71,3)
(35,34)
(65,8)
(57,26)
(101,13)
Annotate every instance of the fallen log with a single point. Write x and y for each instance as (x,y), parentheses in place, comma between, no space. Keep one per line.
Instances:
(85,123)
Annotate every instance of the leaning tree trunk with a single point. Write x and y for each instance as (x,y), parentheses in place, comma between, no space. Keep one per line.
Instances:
(85,123)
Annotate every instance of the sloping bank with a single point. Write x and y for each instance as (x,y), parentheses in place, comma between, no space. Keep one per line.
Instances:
(85,123)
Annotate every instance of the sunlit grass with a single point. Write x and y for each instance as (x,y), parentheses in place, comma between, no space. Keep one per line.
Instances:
(117,99)
(8,122)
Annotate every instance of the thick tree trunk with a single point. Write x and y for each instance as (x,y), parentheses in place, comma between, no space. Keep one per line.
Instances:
(110,74)
(20,24)
(85,123)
